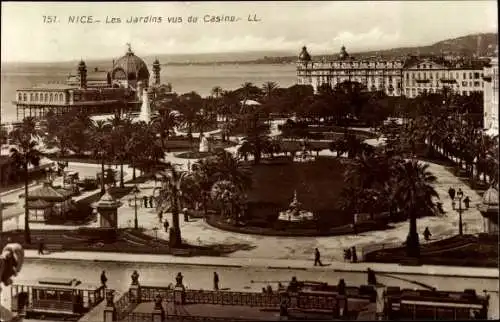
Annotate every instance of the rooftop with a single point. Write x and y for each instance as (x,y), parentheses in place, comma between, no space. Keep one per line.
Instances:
(49,86)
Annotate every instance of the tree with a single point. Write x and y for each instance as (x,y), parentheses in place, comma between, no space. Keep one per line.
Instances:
(100,142)
(414,193)
(269,88)
(228,197)
(169,199)
(24,154)
(216,91)
(165,122)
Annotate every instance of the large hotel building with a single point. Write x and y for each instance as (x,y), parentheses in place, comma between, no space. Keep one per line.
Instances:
(409,77)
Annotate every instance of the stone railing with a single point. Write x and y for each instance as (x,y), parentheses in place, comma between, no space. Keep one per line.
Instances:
(124,306)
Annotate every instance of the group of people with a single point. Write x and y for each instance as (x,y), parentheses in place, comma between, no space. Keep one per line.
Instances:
(148,202)
(351,255)
(453,193)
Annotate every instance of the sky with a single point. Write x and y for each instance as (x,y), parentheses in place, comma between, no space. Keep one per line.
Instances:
(282,26)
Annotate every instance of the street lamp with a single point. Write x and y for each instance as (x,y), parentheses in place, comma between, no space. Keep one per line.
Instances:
(460,195)
(135,191)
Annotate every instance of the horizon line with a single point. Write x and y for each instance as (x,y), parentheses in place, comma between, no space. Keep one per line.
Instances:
(324,52)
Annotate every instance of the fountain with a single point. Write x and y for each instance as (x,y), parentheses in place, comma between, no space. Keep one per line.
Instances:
(304,155)
(204,144)
(294,213)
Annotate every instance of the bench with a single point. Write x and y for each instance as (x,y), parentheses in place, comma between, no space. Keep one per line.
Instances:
(54,247)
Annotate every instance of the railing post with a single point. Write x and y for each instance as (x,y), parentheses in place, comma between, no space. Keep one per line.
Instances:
(158,310)
(110,309)
(342,305)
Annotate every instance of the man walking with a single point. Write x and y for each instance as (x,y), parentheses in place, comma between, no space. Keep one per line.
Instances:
(427,234)
(216,281)
(451,193)
(317,258)
(104,279)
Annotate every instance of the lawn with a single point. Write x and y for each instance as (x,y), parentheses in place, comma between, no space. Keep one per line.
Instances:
(318,185)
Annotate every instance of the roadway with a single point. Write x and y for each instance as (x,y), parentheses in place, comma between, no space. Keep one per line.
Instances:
(234,278)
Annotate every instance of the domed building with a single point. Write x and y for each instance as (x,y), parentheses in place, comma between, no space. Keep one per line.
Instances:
(129,69)
(122,87)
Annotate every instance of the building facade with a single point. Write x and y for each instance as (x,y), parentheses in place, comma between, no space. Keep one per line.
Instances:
(490,96)
(99,92)
(409,77)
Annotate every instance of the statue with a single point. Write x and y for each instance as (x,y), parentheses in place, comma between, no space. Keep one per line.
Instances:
(11,262)
(295,212)
(204,145)
(178,280)
(135,278)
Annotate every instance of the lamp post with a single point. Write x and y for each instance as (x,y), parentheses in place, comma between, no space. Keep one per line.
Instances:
(460,195)
(135,191)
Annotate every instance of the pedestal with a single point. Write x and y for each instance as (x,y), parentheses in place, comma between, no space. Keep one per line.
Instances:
(294,299)
(109,314)
(179,295)
(342,305)
(135,293)
(158,315)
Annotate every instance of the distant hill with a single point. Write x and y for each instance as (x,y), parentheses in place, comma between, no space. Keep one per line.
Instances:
(482,44)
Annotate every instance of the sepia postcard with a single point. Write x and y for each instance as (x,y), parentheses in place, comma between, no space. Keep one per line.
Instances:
(247,161)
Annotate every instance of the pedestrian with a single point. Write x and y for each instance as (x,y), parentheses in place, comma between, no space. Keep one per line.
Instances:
(160,215)
(467,202)
(104,279)
(165,225)
(269,289)
(347,254)
(354,256)
(150,201)
(145,200)
(216,281)
(317,258)
(40,248)
(372,280)
(427,234)
(451,193)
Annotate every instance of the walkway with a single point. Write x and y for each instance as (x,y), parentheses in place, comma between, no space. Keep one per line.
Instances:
(197,232)
(291,264)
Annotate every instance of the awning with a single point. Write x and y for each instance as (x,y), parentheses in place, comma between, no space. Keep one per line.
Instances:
(38,204)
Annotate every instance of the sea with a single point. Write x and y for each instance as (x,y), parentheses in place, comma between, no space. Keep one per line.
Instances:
(184,78)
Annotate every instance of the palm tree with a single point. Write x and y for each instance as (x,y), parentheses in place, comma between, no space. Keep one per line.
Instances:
(169,198)
(216,91)
(120,132)
(100,142)
(25,153)
(164,123)
(414,192)
(269,88)
(227,195)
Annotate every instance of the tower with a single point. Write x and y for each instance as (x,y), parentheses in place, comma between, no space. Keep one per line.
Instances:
(156,71)
(82,73)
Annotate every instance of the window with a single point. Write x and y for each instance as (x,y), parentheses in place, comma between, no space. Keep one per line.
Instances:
(430,75)
(61,97)
(25,97)
(465,76)
(464,83)
(470,75)
(31,96)
(456,75)
(36,97)
(476,84)
(51,97)
(19,96)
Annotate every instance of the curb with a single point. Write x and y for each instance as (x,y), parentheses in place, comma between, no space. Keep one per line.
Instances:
(353,270)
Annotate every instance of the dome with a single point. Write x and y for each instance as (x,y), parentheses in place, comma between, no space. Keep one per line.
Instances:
(304,55)
(343,53)
(130,67)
